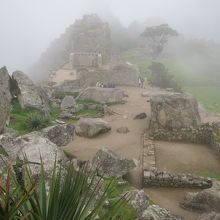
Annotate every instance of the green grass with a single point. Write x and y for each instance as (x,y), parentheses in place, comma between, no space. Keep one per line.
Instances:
(127,212)
(209,174)
(87,102)
(207,95)
(190,81)
(19,117)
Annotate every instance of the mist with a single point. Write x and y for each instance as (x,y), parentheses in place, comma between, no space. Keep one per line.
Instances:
(28,27)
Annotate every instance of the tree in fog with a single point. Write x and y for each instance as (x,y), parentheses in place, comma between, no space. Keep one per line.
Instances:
(157,37)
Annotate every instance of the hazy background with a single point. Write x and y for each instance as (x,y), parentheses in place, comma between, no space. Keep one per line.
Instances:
(28,26)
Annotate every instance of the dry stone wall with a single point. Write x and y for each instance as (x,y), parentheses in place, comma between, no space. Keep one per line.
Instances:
(203,134)
(155,177)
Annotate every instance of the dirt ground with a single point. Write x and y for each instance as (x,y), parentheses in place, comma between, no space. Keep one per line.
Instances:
(170,198)
(169,156)
(188,158)
(127,145)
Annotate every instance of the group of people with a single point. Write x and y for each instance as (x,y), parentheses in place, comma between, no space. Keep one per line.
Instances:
(108,85)
(143,83)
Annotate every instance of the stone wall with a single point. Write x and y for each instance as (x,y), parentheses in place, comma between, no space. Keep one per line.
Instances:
(198,135)
(203,134)
(120,75)
(85,59)
(154,177)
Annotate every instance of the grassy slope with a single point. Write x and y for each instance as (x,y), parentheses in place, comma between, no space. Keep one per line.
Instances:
(207,95)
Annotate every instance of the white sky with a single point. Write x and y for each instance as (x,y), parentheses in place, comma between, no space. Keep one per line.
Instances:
(28,26)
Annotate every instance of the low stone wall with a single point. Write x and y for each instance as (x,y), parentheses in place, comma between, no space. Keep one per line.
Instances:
(154,177)
(203,134)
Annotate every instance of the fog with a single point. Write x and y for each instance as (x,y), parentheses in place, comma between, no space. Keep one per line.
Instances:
(28,26)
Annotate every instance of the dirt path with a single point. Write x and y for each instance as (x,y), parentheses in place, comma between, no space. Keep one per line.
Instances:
(187,158)
(170,156)
(126,145)
(170,198)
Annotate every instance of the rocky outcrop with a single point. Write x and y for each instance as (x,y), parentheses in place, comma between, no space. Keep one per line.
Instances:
(61,135)
(210,216)
(68,103)
(29,95)
(102,95)
(90,127)
(33,146)
(5,97)
(108,164)
(139,200)
(68,107)
(173,111)
(154,212)
(207,200)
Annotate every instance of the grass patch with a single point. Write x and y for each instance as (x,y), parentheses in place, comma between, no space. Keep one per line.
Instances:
(209,174)
(207,95)
(19,117)
(87,102)
(24,120)
(127,212)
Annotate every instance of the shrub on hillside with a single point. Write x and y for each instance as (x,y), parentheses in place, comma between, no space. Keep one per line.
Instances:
(159,76)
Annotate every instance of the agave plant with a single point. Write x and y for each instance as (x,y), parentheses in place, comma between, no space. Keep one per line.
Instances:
(68,195)
(36,122)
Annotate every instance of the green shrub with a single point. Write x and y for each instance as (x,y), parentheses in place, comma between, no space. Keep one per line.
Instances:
(160,77)
(36,122)
(68,195)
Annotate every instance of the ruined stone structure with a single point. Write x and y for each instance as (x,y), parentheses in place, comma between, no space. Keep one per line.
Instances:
(87,37)
(91,35)
(155,177)
(85,59)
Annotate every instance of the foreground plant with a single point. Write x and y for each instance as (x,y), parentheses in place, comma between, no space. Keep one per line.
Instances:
(68,195)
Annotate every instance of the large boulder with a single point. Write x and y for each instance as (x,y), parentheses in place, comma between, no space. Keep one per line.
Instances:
(174,111)
(33,146)
(5,97)
(90,127)
(206,200)
(68,103)
(29,95)
(210,216)
(60,134)
(139,200)
(154,212)
(102,95)
(109,164)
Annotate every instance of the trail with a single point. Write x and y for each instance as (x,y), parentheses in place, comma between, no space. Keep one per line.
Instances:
(170,156)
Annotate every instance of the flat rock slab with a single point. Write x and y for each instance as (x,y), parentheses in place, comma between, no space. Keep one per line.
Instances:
(102,95)
(174,111)
(90,127)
